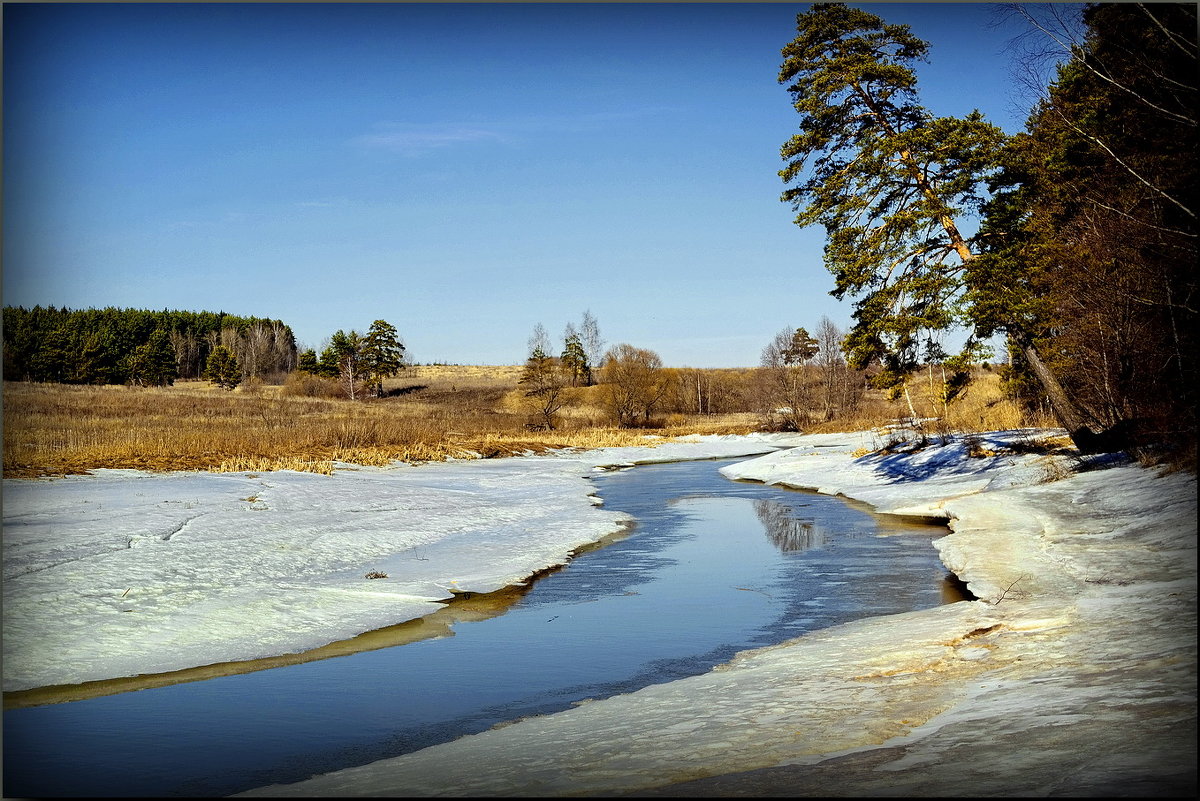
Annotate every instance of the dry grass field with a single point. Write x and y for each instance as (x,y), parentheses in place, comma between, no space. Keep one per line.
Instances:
(430,413)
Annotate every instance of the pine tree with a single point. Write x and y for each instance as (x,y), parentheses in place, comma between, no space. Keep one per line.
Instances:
(884,177)
(1090,242)
(889,182)
(153,364)
(801,348)
(308,362)
(222,368)
(51,358)
(341,346)
(575,361)
(381,354)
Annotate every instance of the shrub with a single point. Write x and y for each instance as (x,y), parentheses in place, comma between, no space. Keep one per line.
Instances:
(306,385)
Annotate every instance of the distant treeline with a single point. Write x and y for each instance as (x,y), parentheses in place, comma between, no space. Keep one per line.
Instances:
(119,346)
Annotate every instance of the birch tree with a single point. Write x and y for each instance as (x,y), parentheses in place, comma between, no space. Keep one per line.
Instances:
(589,336)
(539,340)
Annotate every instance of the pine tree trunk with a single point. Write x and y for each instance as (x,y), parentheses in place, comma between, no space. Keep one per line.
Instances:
(1086,439)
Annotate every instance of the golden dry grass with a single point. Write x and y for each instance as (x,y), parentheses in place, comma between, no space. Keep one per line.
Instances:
(981,407)
(432,413)
(53,429)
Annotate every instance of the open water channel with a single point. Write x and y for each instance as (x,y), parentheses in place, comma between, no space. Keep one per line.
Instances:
(712,567)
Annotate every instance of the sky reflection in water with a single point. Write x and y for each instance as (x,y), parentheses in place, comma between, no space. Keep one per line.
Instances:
(712,568)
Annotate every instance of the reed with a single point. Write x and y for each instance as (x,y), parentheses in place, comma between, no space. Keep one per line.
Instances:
(62,429)
(431,414)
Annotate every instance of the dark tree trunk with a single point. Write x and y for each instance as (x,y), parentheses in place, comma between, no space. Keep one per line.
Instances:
(1086,438)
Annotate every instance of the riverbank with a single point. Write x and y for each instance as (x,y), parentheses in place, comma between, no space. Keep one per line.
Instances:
(1075,674)
(125,573)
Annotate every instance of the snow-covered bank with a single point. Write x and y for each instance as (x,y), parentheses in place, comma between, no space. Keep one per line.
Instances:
(1074,675)
(124,573)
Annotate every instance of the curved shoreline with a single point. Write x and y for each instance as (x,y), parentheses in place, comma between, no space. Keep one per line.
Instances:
(1082,682)
(125,573)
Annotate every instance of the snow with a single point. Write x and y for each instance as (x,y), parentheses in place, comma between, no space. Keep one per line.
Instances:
(123,573)
(1074,674)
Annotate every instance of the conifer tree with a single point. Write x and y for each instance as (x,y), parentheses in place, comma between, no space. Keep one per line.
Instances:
(886,178)
(801,348)
(381,354)
(52,357)
(889,182)
(575,361)
(153,364)
(342,359)
(95,364)
(222,368)
(308,362)
(1090,240)
(341,346)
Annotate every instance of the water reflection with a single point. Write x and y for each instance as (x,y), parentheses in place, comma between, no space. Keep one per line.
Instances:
(789,533)
(713,567)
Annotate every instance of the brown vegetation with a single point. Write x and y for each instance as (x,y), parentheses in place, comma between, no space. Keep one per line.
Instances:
(429,413)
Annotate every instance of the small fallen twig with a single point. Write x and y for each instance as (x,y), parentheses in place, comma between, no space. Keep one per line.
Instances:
(1010,593)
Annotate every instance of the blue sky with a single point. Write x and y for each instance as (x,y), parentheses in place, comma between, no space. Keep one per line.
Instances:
(463,171)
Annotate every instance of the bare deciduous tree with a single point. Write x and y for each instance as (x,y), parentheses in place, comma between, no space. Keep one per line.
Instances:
(545,383)
(187,353)
(256,348)
(788,386)
(593,343)
(283,348)
(839,390)
(539,340)
(634,383)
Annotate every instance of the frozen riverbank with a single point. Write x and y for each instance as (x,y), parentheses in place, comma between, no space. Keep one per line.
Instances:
(1074,675)
(124,573)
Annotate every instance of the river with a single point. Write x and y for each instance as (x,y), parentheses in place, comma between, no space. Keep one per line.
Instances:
(711,568)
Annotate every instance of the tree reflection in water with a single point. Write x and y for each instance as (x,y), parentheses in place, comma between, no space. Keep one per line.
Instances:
(788,533)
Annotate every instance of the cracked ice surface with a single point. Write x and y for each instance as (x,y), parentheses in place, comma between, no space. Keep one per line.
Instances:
(1074,675)
(123,572)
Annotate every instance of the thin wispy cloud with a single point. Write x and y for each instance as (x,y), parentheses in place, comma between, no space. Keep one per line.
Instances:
(412,139)
(323,203)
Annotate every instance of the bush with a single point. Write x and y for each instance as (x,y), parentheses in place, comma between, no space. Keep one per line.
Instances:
(253,385)
(300,384)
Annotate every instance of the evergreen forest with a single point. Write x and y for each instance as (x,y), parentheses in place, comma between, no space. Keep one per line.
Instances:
(137,346)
